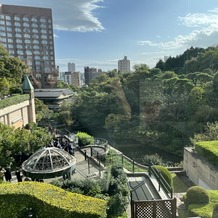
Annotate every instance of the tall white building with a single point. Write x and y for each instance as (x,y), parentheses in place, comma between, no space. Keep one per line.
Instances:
(71,67)
(124,65)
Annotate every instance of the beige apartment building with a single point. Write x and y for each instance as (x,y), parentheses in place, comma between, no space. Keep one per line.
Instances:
(124,65)
(72,78)
(27,33)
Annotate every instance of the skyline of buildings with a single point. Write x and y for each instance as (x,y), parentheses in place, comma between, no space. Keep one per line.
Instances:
(27,33)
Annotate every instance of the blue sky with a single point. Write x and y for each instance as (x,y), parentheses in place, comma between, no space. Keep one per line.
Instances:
(97,33)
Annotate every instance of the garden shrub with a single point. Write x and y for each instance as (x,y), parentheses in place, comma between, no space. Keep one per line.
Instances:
(215,211)
(13,100)
(166,174)
(196,195)
(46,199)
(209,150)
(118,192)
(85,139)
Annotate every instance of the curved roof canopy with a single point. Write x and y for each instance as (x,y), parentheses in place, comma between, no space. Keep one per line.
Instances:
(48,162)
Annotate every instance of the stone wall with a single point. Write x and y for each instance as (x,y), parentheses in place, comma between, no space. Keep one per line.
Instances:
(199,170)
(18,115)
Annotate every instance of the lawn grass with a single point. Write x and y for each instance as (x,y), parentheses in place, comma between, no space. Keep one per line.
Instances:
(205,210)
(179,185)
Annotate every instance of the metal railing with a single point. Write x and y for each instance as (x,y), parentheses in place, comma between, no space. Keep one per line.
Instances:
(168,189)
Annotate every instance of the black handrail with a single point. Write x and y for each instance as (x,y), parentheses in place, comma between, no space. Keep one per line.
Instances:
(161,180)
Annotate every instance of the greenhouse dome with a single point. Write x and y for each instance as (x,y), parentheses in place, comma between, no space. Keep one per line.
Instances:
(49,162)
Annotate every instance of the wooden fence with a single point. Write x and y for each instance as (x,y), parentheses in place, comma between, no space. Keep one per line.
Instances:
(154,209)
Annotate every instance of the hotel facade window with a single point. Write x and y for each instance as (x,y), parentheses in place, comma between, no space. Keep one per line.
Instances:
(27,32)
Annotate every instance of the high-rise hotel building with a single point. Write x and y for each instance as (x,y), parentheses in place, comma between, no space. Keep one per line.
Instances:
(27,33)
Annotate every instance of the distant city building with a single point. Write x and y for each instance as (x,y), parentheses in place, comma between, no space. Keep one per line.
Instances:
(72,78)
(27,33)
(91,73)
(71,67)
(124,65)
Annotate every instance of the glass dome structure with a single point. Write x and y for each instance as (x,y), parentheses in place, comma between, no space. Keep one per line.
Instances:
(49,162)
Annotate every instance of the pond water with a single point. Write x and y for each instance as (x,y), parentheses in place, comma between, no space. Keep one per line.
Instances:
(138,151)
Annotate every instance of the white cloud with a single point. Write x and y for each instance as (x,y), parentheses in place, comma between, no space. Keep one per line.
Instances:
(198,19)
(77,16)
(70,15)
(204,32)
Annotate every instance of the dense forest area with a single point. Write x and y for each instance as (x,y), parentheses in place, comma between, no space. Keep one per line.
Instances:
(169,106)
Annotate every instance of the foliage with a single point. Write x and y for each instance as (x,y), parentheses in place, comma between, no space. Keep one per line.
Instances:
(112,187)
(196,195)
(215,211)
(205,210)
(87,187)
(12,70)
(166,174)
(42,110)
(209,150)
(13,100)
(65,113)
(166,106)
(14,141)
(210,133)
(117,190)
(46,199)
(84,139)
(156,159)
(113,157)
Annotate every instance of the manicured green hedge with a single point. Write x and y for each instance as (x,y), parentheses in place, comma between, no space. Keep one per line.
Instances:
(166,174)
(47,200)
(209,150)
(85,139)
(13,100)
(196,195)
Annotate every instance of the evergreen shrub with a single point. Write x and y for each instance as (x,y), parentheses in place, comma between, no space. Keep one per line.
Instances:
(85,139)
(196,195)
(209,150)
(166,174)
(13,100)
(46,200)
(215,211)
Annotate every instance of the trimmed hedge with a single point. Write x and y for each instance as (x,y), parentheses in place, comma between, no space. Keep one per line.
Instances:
(166,174)
(215,211)
(209,150)
(85,139)
(47,200)
(196,195)
(13,100)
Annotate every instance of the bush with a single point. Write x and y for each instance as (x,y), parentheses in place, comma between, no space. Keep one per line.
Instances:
(215,211)
(196,195)
(166,174)
(156,159)
(118,192)
(45,199)
(84,139)
(209,150)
